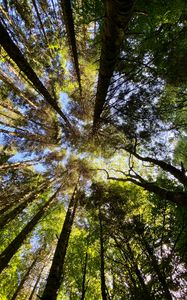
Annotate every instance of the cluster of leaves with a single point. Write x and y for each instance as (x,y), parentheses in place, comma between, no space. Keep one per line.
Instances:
(87,89)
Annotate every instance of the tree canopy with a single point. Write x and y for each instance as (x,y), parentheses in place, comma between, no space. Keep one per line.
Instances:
(93,137)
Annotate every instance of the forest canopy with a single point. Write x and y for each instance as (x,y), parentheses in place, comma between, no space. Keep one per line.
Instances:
(93,139)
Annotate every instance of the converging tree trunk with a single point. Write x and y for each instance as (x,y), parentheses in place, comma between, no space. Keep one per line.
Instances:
(56,272)
(84,277)
(143,285)
(13,247)
(36,284)
(118,13)
(139,228)
(156,268)
(19,208)
(16,55)
(24,279)
(68,19)
(102,262)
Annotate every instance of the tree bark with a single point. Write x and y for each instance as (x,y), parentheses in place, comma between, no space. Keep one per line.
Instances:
(16,55)
(68,19)
(56,272)
(13,213)
(84,277)
(29,136)
(20,93)
(102,262)
(118,13)
(36,284)
(156,268)
(146,293)
(24,279)
(13,247)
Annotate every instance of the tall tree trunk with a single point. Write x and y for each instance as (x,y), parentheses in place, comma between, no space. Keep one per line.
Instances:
(18,165)
(16,55)
(68,19)
(36,284)
(29,136)
(13,247)
(132,268)
(40,21)
(118,13)
(102,262)
(156,268)
(146,293)
(56,271)
(14,212)
(20,93)
(84,277)
(24,279)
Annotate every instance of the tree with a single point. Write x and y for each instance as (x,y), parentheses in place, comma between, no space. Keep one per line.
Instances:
(56,271)
(107,160)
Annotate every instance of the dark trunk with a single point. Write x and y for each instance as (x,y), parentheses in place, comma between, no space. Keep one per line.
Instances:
(179,198)
(132,268)
(68,19)
(16,55)
(13,247)
(156,268)
(24,279)
(118,13)
(56,272)
(178,174)
(146,293)
(102,262)
(84,277)
(39,19)
(13,213)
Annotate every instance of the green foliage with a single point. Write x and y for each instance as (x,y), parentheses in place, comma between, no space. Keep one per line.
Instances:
(144,113)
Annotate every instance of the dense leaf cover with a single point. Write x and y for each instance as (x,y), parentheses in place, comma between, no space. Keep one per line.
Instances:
(93,137)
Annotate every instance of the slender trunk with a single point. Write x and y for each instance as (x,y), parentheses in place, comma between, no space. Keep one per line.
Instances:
(68,18)
(24,119)
(156,268)
(13,247)
(118,13)
(56,271)
(84,277)
(20,93)
(15,54)
(9,200)
(146,293)
(36,284)
(24,279)
(12,109)
(18,209)
(102,262)
(41,25)
(132,268)
(29,136)
(17,165)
